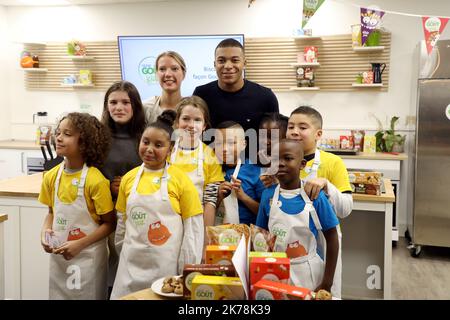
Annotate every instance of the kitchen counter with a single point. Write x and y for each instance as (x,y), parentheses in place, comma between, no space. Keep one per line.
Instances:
(376,156)
(19,144)
(30,186)
(22,186)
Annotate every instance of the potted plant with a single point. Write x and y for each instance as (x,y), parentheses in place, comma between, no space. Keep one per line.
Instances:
(388,140)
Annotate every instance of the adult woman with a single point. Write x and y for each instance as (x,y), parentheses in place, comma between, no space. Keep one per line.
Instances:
(171,70)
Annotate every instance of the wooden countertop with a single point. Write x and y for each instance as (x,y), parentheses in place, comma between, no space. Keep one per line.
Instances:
(3,217)
(376,156)
(388,196)
(146,294)
(22,186)
(19,144)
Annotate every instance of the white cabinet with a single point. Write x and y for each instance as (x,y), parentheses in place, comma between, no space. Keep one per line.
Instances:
(26,263)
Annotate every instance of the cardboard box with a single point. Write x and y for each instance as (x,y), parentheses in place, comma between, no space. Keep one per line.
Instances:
(217,288)
(271,290)
(274,269)
(364,177)
(192,270)
(219,254)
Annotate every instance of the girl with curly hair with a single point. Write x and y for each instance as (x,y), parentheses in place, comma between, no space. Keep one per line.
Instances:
(80,216)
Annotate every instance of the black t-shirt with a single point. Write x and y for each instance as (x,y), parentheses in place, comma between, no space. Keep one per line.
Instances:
(245,106)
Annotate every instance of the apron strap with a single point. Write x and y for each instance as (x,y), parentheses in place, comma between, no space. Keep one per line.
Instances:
(312,210)
(82,180)
(164,186)
(58,178)
(163,182)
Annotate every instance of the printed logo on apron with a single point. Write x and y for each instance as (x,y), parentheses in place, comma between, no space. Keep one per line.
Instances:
(295,250)
(75,234)
(158,234)
(138,216)
(280,230)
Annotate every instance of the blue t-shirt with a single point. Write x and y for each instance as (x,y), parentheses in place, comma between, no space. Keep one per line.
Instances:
(325,211)
(252,186)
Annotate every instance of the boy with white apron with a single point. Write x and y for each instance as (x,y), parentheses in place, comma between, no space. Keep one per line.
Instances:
(299,232)
(239,195)
(324,171)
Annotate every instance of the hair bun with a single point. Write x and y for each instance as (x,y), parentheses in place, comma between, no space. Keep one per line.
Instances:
(167,117)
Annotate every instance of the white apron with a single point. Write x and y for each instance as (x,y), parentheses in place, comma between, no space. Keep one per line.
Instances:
(228,210)
(296,239)
(337,280)
(84,276)
(153,237)
(197,176)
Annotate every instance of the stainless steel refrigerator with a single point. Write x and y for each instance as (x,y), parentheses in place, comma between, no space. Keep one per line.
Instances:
(431,213)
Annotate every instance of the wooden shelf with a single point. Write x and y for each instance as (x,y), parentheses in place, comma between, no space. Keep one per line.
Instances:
(305,64)
(366,85)
(39,44)
(35,70)
(307,38)
(304,88)
(76,85)
(79,58)
(368,49)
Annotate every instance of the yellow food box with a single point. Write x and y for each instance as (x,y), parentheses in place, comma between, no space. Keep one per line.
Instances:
(260,254)
(217,288)
(219,254)
(370,144)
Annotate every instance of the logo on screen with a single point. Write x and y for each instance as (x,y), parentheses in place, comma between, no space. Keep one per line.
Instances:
(147,70)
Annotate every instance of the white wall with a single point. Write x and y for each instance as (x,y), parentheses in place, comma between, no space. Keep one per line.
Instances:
(264,18)
(5,106)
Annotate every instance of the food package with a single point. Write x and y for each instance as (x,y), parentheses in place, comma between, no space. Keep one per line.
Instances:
(85,77)
(261,239)
(310,54)
(217,288)
(370,144)
(365,182)
(259,254)
(219,254)
(227,234)
(273,269)
(358,139)
(368,77)
(347,142)
(192,270)
(365,177)
(271,290)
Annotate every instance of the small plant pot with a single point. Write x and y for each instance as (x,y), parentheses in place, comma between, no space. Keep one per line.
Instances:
(400,148)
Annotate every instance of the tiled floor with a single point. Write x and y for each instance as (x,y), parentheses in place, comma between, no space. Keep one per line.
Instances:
(425,277)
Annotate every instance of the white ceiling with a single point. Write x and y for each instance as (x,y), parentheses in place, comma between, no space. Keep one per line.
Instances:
(68,2)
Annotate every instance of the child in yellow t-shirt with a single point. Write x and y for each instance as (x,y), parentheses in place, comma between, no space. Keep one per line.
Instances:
(80,211)
(323,170)
(194,157)
(160,222)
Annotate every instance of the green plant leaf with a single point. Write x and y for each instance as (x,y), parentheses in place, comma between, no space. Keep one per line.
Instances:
(393,121)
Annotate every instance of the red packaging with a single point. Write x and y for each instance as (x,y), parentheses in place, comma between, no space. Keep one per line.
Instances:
(273,269)
(271,290)
(347,142)
(311,54)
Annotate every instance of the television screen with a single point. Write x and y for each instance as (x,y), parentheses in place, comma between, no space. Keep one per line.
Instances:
(138,55)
